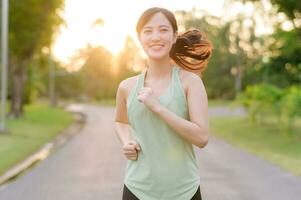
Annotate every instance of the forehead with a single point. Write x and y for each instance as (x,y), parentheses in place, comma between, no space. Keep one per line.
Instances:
(157,20)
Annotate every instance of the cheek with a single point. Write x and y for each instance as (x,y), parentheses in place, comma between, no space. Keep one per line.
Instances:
(144,42)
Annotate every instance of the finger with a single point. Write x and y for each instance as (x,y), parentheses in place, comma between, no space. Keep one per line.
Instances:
(137,146)
(129,147)
(129,150)
(133,158)
(131,153)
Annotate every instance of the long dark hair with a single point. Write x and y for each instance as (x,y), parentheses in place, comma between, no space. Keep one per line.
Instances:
(192,48)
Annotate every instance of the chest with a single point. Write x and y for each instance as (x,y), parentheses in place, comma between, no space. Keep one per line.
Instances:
(173,100)
(158,88)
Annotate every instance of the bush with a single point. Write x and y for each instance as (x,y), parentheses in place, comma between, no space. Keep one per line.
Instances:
(262,99)
(265,100)
(291,106)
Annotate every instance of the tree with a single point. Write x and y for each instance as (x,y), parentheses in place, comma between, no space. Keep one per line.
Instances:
(283,65)
(33,25)
(291,8)
(96,72)
(235,50)
(129,59)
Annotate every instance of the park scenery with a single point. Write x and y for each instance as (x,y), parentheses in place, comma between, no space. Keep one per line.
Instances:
(63,60)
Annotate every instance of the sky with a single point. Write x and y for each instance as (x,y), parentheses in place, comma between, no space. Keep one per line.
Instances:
(120,17)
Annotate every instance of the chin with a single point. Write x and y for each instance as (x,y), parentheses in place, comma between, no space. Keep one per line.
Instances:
(156,56)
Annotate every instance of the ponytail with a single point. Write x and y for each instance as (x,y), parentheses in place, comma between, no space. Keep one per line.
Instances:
(191,50)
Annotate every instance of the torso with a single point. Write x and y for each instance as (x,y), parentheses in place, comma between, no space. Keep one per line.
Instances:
(177,175)
(131,82)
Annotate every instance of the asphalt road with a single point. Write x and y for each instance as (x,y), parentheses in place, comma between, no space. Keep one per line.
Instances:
(90,166)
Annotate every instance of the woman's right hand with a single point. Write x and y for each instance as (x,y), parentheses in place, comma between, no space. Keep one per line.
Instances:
(130,149)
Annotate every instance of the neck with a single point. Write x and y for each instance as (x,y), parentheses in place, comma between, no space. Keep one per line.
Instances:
(158,69)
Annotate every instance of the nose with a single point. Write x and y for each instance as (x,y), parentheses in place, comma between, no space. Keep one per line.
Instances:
(155,36)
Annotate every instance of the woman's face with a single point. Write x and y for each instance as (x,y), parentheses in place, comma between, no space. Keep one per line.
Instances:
(157,37)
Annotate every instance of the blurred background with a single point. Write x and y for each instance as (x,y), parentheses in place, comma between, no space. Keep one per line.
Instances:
(58,52)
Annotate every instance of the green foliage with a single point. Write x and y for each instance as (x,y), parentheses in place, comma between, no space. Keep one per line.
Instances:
(100,74)
(232,50)
(290,7)
(221,60)
(291,106)
(264,100)
(35,82)
(32,26)
(93,81)
(260,99)
(284,67)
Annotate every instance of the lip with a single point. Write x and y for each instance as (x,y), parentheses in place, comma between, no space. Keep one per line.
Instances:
(156,45)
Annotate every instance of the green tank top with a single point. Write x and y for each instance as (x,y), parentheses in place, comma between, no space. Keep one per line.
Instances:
(166,168)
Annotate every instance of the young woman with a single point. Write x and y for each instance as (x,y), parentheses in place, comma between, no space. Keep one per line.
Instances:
(163,111)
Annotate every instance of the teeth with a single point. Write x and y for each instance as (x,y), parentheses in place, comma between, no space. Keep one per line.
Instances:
(157,45)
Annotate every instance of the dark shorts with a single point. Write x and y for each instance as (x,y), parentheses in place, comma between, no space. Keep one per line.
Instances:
(128,195)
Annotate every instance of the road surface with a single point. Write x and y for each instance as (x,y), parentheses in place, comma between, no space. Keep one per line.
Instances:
(91,167)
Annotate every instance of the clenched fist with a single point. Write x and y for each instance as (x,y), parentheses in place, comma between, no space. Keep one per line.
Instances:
(145,96)
(130,149)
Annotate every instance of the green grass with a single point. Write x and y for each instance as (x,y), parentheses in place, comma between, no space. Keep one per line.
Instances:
(266,140)
(40,124)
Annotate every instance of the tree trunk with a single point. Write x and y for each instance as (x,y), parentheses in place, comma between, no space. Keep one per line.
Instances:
(238,77)
(18,82)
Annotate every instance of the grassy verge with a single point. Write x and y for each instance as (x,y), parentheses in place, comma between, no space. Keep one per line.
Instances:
(265,140)
(40,124)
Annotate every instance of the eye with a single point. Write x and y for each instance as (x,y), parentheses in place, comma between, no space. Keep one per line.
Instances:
(163,29)
(146,31)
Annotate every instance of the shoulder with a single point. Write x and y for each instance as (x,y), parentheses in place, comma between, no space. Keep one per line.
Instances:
(188,76)
(126,85)
(189,79)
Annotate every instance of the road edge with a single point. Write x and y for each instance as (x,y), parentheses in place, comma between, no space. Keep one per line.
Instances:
(46,149)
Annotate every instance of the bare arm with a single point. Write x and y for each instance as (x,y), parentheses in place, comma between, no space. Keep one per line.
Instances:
(124,132)
(130,147)
(122,127)
(196,129)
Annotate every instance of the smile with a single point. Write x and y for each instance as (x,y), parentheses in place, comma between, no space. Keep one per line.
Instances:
(156,46)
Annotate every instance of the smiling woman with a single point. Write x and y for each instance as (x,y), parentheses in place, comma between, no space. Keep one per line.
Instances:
(190,50)
(163,111)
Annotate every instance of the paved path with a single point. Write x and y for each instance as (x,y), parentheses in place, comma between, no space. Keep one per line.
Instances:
(91,167)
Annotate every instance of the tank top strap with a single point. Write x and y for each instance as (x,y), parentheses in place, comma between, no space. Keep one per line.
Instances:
(176,73)
(176,78)
(140,79)
(178,85)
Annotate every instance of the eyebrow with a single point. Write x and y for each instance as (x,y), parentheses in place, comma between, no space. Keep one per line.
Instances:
(159,26)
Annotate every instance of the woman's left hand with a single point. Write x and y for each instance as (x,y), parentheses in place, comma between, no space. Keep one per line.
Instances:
(145,95)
